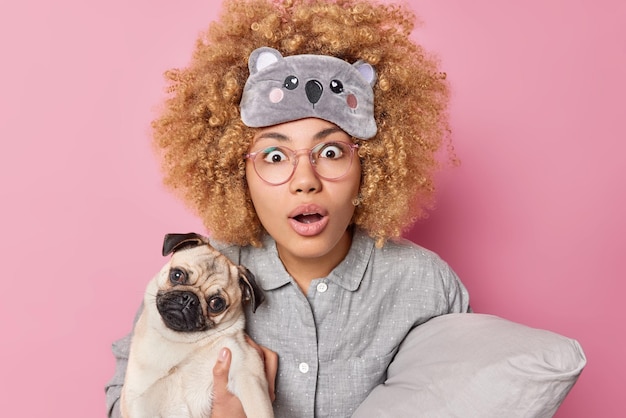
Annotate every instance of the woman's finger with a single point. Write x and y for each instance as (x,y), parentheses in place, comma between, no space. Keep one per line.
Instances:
(225,404)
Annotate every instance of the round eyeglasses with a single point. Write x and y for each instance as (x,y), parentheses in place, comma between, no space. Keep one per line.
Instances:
(275,165)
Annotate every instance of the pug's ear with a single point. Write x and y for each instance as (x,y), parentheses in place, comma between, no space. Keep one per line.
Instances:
(177,242)
(251,291)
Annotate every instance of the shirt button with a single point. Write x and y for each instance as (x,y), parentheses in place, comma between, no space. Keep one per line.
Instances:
(303,367)
(322,287)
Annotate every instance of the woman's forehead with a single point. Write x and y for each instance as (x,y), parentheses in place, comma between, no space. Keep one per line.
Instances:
(302,130)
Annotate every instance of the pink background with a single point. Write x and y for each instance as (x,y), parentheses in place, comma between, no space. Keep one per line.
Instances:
(533,220)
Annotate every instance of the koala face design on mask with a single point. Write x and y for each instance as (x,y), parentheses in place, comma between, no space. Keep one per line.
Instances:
(282,89)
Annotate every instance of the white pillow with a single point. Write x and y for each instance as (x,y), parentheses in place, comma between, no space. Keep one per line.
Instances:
(476,365)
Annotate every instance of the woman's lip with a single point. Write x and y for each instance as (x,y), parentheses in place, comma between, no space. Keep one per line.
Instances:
(312,228)
(308,210)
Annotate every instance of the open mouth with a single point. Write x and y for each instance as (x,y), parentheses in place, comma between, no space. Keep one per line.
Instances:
(308,218)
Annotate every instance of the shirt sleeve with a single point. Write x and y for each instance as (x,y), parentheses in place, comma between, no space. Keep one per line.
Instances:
(113,388)
(458,296)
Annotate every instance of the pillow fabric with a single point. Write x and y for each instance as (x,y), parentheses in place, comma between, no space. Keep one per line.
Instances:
(476,365)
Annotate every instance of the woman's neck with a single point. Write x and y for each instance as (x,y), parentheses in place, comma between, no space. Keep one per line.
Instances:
(305,270)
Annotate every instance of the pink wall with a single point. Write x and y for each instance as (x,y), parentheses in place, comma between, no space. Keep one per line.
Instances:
(532,220)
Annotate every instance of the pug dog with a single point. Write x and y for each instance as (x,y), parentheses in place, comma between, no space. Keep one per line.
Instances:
(192,309)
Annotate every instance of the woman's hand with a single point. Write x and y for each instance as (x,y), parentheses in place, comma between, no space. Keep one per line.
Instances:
(227,405)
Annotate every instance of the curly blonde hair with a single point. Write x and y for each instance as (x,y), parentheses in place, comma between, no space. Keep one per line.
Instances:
(201,139)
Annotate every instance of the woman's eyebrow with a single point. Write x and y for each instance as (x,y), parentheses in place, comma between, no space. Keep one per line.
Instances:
(273,135)
(326,132)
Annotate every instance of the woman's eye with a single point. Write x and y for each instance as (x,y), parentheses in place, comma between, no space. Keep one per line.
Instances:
(217,304)
(332,151)
(177,276)
(274,155)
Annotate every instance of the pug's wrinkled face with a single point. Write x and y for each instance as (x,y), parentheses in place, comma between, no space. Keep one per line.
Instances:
(197,289)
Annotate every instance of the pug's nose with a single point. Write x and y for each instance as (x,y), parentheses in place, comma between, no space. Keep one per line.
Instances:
(313,89)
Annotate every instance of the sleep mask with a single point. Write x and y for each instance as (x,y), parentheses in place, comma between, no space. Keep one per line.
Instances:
(283,89)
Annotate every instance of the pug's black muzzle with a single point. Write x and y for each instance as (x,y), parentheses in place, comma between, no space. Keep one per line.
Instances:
(181,311)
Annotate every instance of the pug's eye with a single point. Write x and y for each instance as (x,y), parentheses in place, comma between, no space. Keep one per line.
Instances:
(217,304)
(178,276)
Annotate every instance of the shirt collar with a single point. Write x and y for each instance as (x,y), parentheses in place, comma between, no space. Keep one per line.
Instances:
(349,273)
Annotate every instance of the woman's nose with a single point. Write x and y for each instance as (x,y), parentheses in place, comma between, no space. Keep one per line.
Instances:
(304,179)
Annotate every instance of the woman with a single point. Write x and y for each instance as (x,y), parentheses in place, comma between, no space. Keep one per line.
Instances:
(308,196)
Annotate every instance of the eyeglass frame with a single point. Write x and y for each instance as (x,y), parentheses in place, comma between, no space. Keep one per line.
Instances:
(294,154)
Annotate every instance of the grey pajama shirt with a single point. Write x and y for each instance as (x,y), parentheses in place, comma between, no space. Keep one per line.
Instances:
(335,343)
